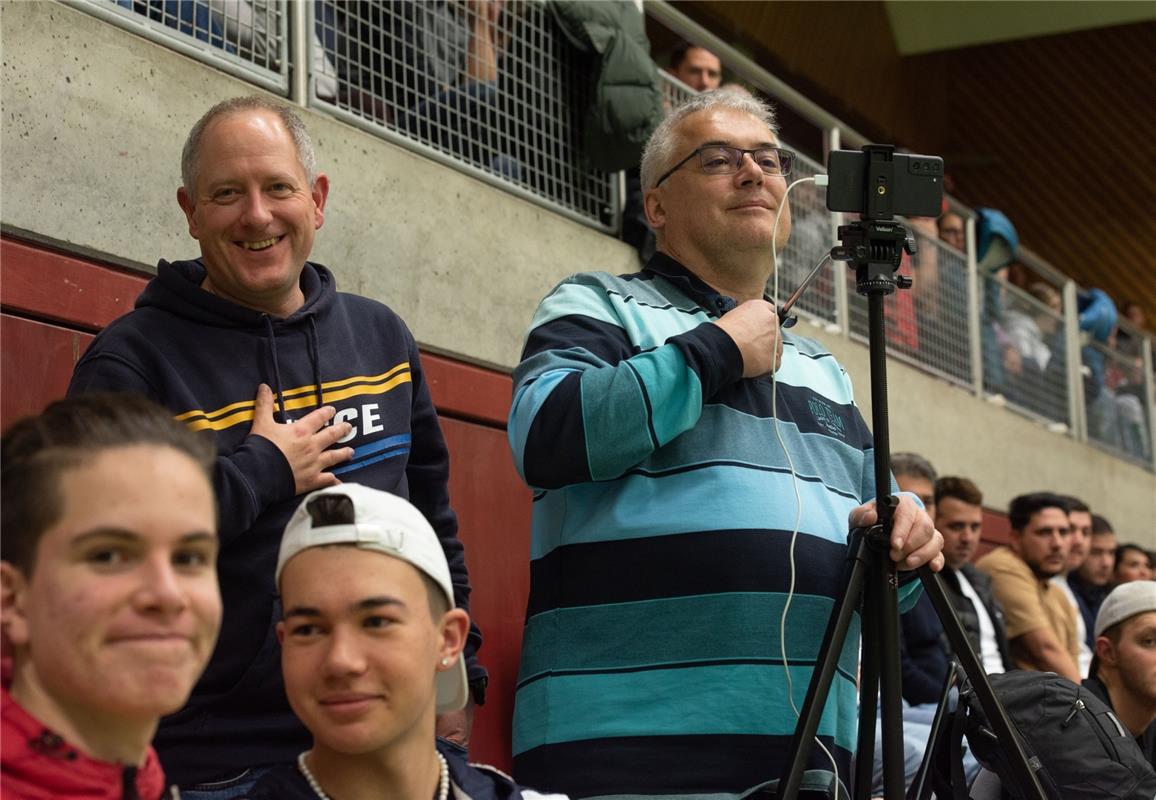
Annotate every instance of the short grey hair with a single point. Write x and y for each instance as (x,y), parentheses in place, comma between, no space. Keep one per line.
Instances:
(913,465)
(659,151)
(289,118)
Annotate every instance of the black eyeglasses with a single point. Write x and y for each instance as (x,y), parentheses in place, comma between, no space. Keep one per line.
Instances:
(719,159)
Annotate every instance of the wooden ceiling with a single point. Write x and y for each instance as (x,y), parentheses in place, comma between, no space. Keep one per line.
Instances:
(1056,131)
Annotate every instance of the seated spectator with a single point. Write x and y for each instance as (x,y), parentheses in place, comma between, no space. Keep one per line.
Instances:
(1124,671)
(951,230)
(1041,624)
(1093,580)
(697,67)
(431,69)
(926,651)
(1132,564)
(371,650)
(1034,376)
(1080,518)
(915,474)
(110,598)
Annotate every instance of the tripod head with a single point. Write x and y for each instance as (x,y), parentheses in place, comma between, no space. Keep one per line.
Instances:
(874,245)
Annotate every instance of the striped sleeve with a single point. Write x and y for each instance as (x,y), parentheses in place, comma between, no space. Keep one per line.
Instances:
(590,402)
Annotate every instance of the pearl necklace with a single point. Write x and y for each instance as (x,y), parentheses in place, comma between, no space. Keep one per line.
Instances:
(443,778)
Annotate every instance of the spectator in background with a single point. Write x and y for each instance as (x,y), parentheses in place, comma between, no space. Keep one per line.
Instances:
(1124,672)
(915,474)
(372,651)
(701,70)
(1135,314)
(926,650)
(952,230)
(1033,376)
(109,593)
(1080,519)
(1041,623)
(697,67)
(1093,580)
(1132,564)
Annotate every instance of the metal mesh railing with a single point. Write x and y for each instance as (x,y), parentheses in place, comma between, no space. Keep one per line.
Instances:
(493,86)
(674,91)
(927,325)
(1024,357)
(1115,397)
(248,38)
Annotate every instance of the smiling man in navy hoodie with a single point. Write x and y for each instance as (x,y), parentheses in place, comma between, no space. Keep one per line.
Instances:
(238,343)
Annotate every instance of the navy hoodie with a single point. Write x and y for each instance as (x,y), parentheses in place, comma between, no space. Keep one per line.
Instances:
(202,357)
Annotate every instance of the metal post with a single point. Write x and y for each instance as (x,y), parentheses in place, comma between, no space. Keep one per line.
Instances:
(1077,420)
(299,55)
(974,312)
(1149,395)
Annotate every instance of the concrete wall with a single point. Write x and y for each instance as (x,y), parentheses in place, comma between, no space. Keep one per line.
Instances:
(93,121)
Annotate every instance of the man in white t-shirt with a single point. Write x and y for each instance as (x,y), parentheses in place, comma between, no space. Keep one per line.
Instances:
(1080,518)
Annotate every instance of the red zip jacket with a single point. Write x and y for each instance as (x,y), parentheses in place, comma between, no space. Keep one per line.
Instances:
(36,764)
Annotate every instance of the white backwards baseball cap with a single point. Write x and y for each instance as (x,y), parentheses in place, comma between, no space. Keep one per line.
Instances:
(383,523)
(1125,601)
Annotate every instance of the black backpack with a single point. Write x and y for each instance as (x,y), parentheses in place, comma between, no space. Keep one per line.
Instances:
(1076,745)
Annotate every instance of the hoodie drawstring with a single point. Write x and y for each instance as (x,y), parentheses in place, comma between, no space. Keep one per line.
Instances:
(314,343)
(315,356)
(281,417)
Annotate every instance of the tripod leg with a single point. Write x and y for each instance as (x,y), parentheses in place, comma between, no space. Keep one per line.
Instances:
(891,679)
(921,784)
(868,696)
(824,670)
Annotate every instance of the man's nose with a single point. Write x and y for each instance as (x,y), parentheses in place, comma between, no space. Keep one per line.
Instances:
(749,171)
(256,210)
(160,589)
(344,656)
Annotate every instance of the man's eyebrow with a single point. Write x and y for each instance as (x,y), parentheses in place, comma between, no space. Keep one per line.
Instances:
(729,143)
(119,534)
(370,603)
(367,604)
(198,536)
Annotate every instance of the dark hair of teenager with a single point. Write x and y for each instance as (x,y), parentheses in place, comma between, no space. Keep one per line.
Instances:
(37,450)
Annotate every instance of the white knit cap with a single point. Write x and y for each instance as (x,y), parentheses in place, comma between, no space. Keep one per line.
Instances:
(1125,601)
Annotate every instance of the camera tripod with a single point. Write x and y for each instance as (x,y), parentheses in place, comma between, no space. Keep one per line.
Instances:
(874,247)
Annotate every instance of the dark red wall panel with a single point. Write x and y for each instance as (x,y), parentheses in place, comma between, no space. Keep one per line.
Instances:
(36,361)
(493,507)
(55,286)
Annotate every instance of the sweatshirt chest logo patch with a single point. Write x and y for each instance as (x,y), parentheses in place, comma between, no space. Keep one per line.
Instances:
(828,418)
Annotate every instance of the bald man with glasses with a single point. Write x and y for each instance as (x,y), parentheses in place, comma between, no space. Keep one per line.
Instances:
(650,417)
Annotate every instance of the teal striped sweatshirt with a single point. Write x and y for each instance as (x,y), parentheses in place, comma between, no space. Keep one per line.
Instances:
(660,555)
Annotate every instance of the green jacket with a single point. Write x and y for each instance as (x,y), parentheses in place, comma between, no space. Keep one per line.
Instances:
(626,104)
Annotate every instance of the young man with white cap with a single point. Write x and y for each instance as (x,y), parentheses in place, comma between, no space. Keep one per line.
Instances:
(371,652)
(1123,673)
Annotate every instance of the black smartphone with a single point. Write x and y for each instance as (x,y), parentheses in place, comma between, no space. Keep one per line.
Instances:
(916,190)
